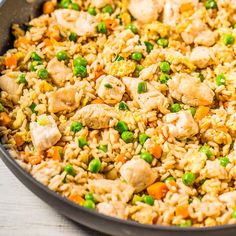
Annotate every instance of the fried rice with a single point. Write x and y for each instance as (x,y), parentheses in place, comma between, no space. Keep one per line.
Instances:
(127,107)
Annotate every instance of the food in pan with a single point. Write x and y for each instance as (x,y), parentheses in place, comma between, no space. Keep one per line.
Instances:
(127,107)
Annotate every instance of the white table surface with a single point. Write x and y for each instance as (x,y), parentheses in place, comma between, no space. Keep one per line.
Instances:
(24,214)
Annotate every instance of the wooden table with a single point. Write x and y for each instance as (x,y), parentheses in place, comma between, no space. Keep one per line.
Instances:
(24,214)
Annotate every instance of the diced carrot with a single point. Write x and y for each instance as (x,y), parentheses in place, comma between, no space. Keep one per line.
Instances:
(11,61)
(186,7)
(76,198)
(34,160)
(19,140)
(110,23)
(55,153)
(201,112)
(22,41)
(47,42)
(156,151)
(121,158)
(48,7)
(97,101)
(182,211)
(5,119)
(172,183)
(98,74)
(158,190)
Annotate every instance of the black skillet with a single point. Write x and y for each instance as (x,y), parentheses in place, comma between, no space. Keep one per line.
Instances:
(19,11)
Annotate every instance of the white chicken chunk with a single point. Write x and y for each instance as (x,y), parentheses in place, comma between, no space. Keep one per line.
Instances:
(181,124)
(110,89)
(229,198)
(190,90)
(115,209)
(138,173)
(58,71)
(96,116)
(82,23)
(100,3)
(198,32)
(63,99)
(44,133)
(8,83)
(201,56)
(152,99)
(145,11)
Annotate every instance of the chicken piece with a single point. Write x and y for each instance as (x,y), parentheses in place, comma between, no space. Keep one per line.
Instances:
(8,83)
(138,173)
(63,99)
(100,3)
(110,89)
(82,23)
(152,99)
(190,90)
(145,11)
(198,32)
(228,198)
(58,71)
(201,56)
(115,209)
(114,190)
(44,133)
(181,124)
(96,116)
(148,72)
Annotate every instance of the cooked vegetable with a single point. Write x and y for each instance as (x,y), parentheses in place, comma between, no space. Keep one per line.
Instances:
(48,7)
(182,211)
(201,112)
(69,170)
(92,11)
(108,9)
(165,67)
(142,138)
(62,56)
(132,27)
(142,87)
(103,147)
(89,204)
(149,46)
(82,142)
(123,106)
(157,190)
(175,107)
(101,28)
(136,56)
(163,42)
(164,78)
(206,150)
(5,119)
(146,156)
(188,178)
(94,165)
(220,79)
(224,161)
(42,73)
(76,126)
(148,200)
(127,136)
(121,127)
(156,151)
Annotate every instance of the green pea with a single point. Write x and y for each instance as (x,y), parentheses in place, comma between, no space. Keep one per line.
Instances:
(132,27)
(142,138)
(108,9)
(92,11)
(80,71)
(89,204)
(22,79)
(89,196)
(127,137)
(148,200)
(1,108)
(136,198)
(32,108)
(146,156)
(136,56)
(138,69)
(228,39)
(149,46)
(211,4)
(62,56)
(72,37)
(108,86)
(69,170)
(82,142)
(119,58)
(95,165)
(121,127)
(169,179)
(187,223)
(80,61)
(74,6)
(163,42)
(35,57)
(164,78)
(188,178)
(224,161)
(175,107)
(165,67)
(233,215)
(103,147)
(220,79)
(65,3)
(123,106)
(101,28)
(76,126)
(142,87)
(192,110)
(206,150)
(42,73)
(33,64)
